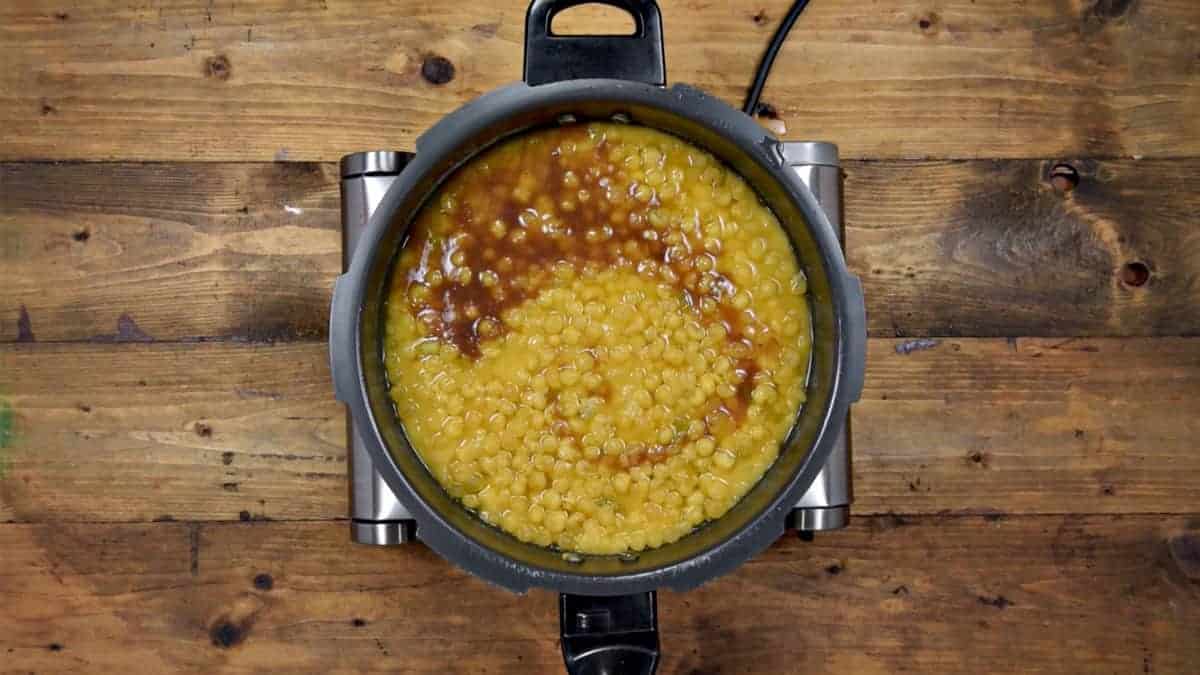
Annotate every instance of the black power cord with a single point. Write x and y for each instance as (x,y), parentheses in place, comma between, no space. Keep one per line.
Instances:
(768,59)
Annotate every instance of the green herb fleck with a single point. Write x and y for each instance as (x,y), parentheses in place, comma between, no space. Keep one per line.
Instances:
(6,435)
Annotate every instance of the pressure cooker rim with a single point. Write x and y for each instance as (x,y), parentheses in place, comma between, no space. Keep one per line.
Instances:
(439,152)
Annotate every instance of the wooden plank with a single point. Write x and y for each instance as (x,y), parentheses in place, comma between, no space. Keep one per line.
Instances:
(154,251)
(191,80)
(1047,594)
(137,432)
(1029,426)
(142,432)
(993,249)
(249,251)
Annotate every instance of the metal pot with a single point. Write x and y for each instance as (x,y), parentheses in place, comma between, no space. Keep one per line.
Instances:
(608,603)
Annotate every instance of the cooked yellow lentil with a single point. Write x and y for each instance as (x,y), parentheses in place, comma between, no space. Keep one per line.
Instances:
(597,337)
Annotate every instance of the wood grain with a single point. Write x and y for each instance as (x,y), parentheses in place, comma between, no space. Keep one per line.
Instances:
(219,80)
(188,431)
(222,431)
(1038,594)
(1029,426)
(167,251)
(249,251)
(172,461)
(992,249)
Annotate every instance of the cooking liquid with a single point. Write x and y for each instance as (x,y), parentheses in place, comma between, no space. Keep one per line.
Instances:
(597,337)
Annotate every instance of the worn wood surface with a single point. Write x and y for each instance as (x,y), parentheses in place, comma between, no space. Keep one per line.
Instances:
(1053,594)
(137,432)
(249,251)
(224,80)
(246,251)
(172,464)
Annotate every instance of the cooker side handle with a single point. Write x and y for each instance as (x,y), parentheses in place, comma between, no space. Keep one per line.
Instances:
(609,634)
(554,58)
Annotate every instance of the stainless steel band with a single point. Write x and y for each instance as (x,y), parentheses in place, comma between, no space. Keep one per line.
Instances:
(826,504)
(376,516)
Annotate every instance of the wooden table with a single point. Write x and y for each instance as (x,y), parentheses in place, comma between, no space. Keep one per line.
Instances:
(172,468)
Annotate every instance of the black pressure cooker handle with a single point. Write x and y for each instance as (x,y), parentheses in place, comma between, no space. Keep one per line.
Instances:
(609,635)
(553,58)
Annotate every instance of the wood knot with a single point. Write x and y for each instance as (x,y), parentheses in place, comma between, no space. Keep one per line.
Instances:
(436,69)
(358,623)
(1135,273)
(764,109)
(82,235)
(62,16)
(54,647)
(760,17)
(225,634)
(1064,178)
(929,23)
(218,67)
(977,458)
(232,626)
(203,430)
(264,581)
(1107,10)
(999,602)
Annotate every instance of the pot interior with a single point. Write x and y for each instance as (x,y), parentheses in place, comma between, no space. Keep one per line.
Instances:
(794,457)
